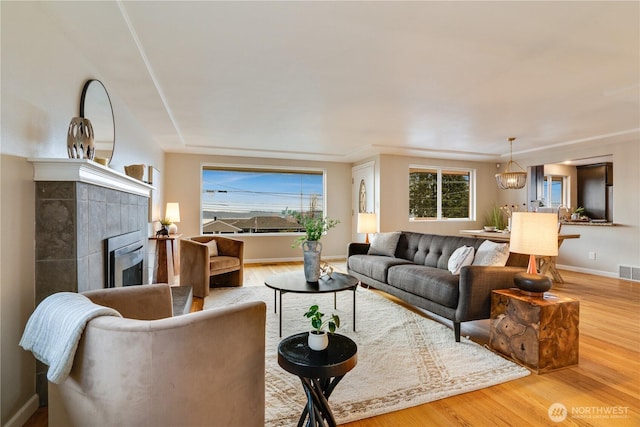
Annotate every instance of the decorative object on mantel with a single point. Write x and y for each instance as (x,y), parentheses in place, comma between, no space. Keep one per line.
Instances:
(314,228)
(101,160)
(135,171)
(511,180)
(80,139)
(95,105)
(533,233)
(172,213)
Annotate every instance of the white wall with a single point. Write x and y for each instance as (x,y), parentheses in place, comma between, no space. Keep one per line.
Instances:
(42,77)
(614,246)
(182,184)
(394,195)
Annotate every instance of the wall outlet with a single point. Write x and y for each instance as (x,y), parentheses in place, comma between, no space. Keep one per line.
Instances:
(592,255)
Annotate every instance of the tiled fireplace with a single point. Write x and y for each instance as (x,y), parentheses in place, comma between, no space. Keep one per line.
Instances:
(79,206)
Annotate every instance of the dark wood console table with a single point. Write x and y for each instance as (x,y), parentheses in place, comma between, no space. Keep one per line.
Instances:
(167,262)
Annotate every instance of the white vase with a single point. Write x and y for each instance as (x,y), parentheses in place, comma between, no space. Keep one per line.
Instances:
(318,341)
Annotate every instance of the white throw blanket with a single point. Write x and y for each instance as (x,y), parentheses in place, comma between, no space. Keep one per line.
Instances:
(54,329)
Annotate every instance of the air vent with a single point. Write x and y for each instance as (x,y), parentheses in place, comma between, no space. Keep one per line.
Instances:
(629,273)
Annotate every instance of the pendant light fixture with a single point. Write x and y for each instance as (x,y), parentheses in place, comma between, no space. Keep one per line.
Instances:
(511,180)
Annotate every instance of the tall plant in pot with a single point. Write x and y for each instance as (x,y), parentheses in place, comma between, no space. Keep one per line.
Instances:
(314,228)
(318,339)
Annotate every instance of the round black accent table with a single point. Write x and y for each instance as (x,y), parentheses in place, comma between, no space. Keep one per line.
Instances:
(319,371)
(295,282)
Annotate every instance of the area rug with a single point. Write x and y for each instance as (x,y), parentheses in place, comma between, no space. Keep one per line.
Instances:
(404,359)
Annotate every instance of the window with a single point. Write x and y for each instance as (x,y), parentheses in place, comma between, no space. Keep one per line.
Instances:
(440,193)
(554,194)
(259,200)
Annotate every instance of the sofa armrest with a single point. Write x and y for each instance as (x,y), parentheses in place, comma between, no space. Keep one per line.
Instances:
(476,284)
(356,248)
(145,367)
(230,247)
(143,302)
(194,266)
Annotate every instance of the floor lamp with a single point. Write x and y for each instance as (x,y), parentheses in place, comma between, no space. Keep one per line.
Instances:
(367,223)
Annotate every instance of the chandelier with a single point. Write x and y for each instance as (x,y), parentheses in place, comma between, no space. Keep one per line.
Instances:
(509,179)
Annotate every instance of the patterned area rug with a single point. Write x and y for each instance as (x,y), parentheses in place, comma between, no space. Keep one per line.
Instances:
(404,359)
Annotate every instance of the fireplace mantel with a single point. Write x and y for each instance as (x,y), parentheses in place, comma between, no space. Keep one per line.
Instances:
(87,171)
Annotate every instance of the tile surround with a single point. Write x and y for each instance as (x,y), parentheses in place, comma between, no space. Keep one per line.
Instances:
(74,216)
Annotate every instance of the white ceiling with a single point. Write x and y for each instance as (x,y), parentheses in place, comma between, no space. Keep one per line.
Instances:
(341,81)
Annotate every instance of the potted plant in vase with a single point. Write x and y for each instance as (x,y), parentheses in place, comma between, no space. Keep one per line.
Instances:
(318,338)
(314,228)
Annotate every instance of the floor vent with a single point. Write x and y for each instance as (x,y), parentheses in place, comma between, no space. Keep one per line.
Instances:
(630,273)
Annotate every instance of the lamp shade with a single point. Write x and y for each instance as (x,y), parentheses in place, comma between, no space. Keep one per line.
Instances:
(534,233)
(173,212)
(367,223)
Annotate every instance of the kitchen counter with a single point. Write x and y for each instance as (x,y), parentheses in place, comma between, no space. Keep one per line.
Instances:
(588,223)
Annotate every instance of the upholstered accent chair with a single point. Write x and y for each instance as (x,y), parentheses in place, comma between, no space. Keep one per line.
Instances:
(207,261)
(148,368)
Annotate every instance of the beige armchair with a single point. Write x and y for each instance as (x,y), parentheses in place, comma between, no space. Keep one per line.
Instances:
(147,369)
(200,269)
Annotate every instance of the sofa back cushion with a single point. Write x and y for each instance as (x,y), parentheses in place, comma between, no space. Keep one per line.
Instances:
(432,250)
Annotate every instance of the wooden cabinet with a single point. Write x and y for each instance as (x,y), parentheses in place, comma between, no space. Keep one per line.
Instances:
(539,333)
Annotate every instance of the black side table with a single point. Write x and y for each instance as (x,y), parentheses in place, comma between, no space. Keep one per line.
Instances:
(319,371)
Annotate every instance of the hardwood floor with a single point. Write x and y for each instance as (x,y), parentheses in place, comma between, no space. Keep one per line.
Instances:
(603,390)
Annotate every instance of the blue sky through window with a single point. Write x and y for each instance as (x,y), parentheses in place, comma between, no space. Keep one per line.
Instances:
(268,191)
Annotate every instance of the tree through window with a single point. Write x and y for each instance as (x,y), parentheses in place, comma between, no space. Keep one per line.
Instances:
(437,193)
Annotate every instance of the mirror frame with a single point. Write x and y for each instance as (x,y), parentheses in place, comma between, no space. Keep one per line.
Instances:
(83,102)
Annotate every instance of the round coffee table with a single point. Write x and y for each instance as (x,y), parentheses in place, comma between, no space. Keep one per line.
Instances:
(295,282)
(319,371)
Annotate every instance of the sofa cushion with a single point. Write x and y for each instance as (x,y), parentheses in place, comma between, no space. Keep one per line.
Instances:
(213,247)
(492,254)
(374,266)
(384,244)
(223,262)
(435,284)
(459,258)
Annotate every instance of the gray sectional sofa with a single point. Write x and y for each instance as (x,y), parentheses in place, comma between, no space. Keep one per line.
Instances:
(416,271)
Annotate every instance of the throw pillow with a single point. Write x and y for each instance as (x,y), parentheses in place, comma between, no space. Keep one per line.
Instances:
(384,244)
(213,248)
(459,258)
(492,254)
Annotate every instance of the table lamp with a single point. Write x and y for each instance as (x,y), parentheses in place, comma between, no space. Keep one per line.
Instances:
(533,234)
(173,214)
(367,223)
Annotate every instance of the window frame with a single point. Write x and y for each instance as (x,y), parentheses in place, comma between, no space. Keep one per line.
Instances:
(440,170)
(261,168)
(548,186)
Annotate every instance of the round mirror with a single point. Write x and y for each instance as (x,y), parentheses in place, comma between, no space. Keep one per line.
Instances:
(95,105)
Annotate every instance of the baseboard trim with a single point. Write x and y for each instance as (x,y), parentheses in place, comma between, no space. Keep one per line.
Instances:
(22,416)
(611,274)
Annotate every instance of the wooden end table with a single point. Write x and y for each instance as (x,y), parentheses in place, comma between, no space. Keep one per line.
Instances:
(295,282)
(540,333)
(319,371)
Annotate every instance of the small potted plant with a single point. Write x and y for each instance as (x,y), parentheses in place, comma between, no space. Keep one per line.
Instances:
(164,229)
(318,338)
(578,213)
